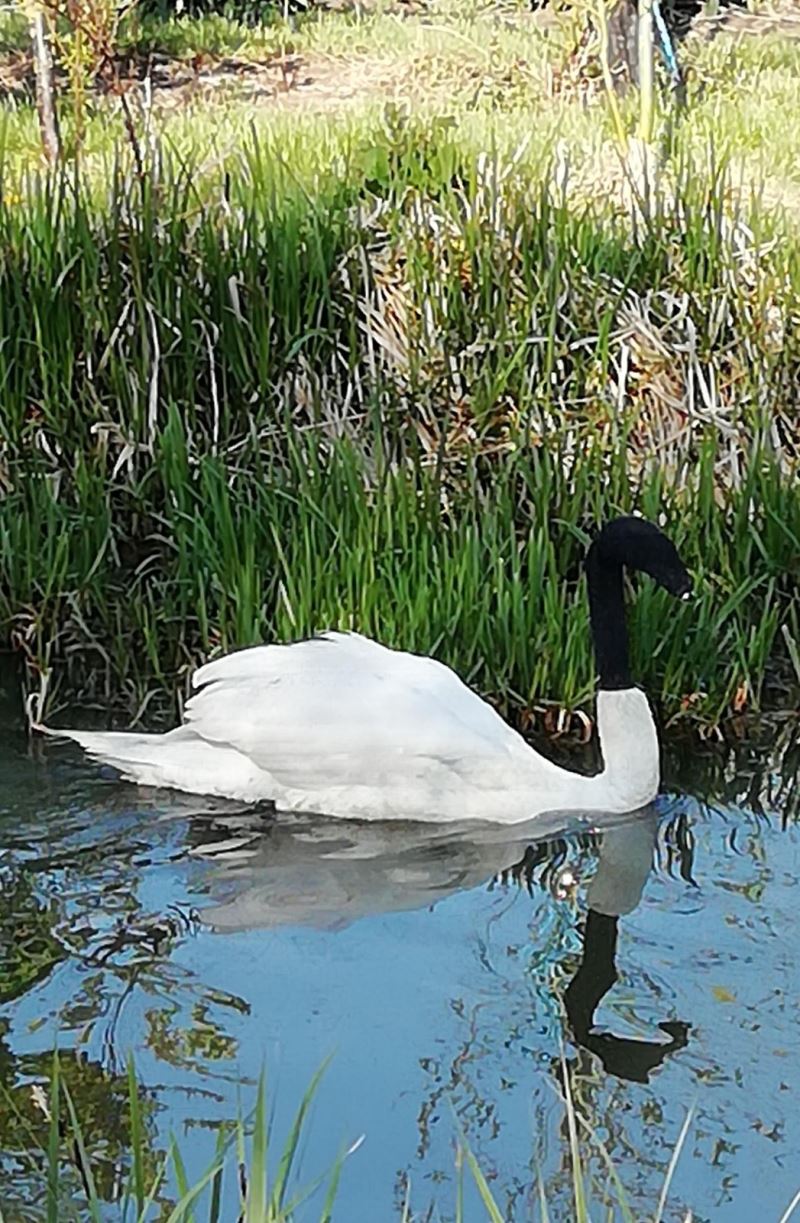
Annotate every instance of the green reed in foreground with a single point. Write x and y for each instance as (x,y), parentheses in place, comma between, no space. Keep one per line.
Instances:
(395,394)
(155,1184)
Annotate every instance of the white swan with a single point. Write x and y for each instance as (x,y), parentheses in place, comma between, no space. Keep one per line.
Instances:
(342,725)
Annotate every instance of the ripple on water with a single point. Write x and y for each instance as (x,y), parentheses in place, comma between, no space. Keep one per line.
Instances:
(434,965)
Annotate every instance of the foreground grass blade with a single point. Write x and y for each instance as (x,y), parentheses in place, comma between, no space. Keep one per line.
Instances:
(290,1149)
(578,1190)
(84,1165)
(673,1163)
(137,1144)
(54,1144)
(482,1186)
(790,1209)
(257,1178)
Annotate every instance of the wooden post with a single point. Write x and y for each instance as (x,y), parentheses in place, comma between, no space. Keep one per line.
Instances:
(45,87)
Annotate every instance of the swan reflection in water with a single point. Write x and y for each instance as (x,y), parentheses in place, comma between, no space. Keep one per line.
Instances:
(625,859)
(328,873)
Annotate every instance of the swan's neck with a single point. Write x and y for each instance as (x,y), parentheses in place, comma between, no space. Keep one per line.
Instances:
(607,613)
(628,739)
(629,747)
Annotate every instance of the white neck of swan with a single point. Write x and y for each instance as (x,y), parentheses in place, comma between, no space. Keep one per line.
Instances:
(629,746)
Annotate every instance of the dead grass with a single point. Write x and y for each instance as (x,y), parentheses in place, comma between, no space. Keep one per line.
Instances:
(316,84)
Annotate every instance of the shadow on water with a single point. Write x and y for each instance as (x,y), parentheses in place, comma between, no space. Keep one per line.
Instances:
(437,963)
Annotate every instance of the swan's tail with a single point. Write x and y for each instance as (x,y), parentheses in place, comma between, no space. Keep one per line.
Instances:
(137,756)
(179,759)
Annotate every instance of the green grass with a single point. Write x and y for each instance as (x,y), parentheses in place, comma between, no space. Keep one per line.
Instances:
(372,370)
(489,69)
(394,394)
(155,1184)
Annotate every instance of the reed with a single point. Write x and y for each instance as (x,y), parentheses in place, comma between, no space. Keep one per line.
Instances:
(154,1184)
(394,393)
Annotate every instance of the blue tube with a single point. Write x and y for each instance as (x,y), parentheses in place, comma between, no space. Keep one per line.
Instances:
(666,45)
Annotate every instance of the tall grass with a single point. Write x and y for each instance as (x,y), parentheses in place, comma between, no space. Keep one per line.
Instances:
(394,394)
(247,1166)
(156,1186)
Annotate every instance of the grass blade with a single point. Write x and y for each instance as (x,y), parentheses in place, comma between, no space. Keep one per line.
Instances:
(673,1163)
(137,1138)
(54,1144)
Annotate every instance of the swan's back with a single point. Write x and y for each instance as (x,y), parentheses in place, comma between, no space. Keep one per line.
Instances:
(341,723)
(342,693)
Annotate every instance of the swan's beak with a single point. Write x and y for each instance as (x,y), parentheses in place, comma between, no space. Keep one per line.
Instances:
(683,588)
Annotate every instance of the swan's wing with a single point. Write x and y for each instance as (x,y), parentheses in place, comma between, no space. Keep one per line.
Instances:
(345,708)
(316,654)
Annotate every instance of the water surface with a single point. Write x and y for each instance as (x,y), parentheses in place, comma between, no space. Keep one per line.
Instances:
(442,973)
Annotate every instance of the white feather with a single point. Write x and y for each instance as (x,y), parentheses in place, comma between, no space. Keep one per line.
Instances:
(342,725)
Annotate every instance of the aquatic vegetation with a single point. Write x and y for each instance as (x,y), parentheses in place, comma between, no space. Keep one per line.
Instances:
(156,1184)
(147,1184)
(43,1157)
(385,397)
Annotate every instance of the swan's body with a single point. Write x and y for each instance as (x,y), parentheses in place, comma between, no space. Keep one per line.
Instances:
(342,725)
(345,726)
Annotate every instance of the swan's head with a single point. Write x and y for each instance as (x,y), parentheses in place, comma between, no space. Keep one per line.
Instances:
(639,544)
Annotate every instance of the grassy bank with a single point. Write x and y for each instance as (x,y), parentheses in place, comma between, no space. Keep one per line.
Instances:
(395,407)
(500,73)
(388,373)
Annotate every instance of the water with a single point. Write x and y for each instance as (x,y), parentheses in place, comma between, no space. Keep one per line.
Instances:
(442,975)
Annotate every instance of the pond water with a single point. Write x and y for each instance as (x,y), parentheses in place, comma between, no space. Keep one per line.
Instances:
(444,975)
